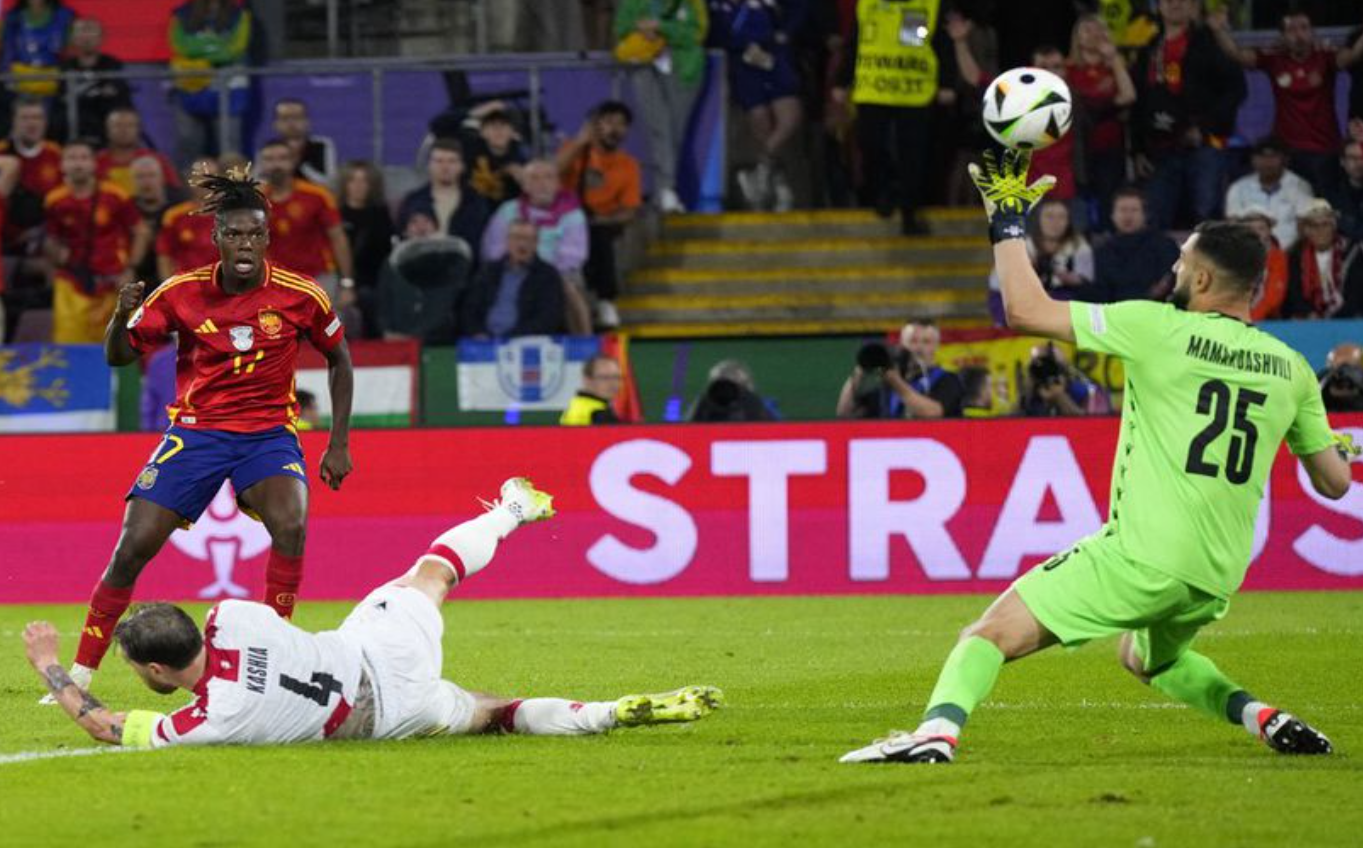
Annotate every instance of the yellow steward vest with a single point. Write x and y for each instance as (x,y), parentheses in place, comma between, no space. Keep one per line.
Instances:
(895,62)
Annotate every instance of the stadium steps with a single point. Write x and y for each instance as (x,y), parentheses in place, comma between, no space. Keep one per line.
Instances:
(796,273)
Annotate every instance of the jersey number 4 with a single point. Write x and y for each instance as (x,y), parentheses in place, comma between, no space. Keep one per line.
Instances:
(319,690)
(1215,399)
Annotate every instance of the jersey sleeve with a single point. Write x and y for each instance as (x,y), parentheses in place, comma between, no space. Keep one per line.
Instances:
(1123,329)
(1310,430)
(189,725)
(325,329)
(153,321)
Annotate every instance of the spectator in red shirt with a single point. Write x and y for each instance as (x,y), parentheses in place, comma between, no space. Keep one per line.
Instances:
(1302,74)
(306,235)
(95,235)
(185,241)
(40,168)
(1188,96)
(123,128)
(1102,90)
(1058,159)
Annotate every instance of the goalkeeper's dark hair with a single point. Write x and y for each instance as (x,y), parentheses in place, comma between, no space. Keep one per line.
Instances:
(1234,249)
(227,192)
(159,633)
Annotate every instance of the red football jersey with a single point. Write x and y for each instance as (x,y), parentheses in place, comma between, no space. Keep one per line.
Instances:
(40,171)
(298,227)
(186,237)
(235,365)
(118,169)
(99,237)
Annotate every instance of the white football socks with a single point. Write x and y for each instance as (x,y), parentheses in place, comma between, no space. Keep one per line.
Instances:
(467,548)
(939,727)
(1249,717)
(559,717)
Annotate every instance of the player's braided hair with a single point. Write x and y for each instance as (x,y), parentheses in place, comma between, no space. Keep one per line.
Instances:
(230,191)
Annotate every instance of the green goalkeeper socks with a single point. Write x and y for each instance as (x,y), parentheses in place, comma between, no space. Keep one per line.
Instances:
(966,678)
(1197,682)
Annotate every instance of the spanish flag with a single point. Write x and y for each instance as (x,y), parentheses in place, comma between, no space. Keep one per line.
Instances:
(627,406)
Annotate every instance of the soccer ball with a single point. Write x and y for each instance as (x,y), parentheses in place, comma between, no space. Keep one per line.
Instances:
(1027,108)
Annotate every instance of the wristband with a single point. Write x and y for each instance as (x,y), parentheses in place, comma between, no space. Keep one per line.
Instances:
(1007,225)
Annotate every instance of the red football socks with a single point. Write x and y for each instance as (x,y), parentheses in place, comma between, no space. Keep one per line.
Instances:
(283,574)
(107,606)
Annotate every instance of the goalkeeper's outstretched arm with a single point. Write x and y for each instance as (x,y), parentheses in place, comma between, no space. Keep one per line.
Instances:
(1008,199)
(40,644)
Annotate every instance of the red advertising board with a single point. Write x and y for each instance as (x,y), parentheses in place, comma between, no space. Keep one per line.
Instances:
(832,508)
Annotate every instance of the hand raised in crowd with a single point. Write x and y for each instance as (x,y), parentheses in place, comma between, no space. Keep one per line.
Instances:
(129,294)
(959,27)
(1108,51)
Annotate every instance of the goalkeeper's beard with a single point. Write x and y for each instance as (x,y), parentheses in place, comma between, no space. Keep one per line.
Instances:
(1181,296)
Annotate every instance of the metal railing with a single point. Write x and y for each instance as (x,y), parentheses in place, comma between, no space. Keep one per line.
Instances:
(223,79)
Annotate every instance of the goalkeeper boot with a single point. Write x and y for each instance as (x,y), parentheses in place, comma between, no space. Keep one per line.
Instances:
(904,747)
(523,500)
(685,704)
(1287,734)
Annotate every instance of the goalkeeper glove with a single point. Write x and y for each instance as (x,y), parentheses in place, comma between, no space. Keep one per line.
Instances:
(1007,197)
(1344,443)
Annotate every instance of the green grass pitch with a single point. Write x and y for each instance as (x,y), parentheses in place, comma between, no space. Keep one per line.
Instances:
(1069,750)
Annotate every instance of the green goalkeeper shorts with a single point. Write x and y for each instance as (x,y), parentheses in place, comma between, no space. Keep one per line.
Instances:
(1092,590)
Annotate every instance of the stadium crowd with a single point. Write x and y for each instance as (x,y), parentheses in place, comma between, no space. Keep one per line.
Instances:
(498,242)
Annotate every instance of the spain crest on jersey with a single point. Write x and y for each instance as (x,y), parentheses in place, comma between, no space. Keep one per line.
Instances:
(242,337)
(147,478)
(271,322)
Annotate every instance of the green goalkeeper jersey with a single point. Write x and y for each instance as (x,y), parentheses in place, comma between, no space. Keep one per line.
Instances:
(1208,400)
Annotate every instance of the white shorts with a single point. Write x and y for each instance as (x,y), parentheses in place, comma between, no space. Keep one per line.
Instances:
(398,629)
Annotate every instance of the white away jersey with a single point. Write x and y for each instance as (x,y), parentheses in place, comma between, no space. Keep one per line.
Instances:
(266,682)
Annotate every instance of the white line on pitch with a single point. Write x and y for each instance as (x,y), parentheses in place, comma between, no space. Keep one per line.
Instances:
(30,756)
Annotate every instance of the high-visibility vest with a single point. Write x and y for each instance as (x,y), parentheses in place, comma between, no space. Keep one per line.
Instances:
(896,65)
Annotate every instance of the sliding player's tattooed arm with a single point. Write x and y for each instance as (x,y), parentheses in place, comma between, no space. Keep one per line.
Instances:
(40,644)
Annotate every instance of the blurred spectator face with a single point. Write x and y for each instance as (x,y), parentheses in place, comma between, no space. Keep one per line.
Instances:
(78,163)
(1352,161)
(357,188)
(87,36)
(124,129)
(1269,165)
(1346,353)
(611,130)
(522,239)
(30,123)
(1262,227)
(1128,215)
(1320,231)
(419,226)
(445,167)
(1050,60)
(1054,219)
(276,163)
(1298,36)
(206,166)
(291,120)
(1177,13)
(921,341)
(149,183)
(540,181)
(1091,34)
(605,379)
(497,134)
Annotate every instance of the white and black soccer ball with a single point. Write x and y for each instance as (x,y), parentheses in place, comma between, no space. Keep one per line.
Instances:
(1027,108)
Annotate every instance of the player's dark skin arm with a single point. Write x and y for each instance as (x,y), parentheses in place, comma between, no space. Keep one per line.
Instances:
(40,645)
(117,349)
(336,462)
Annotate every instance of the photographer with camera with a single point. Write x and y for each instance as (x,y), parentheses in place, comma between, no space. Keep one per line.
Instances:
(905,383)
(1341,382)
(730,395)
(1054,388)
